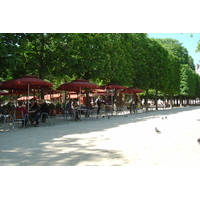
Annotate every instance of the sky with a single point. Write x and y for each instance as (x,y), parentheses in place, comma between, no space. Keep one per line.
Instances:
(190,43)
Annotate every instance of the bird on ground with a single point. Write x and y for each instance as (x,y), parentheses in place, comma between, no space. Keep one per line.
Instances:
(157,131)
(165,117)
(198,140)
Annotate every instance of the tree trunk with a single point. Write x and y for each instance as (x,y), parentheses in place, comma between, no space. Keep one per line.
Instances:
(156,100)
(41,63)
(146,99)
(131,104)
(115,101)
(181,101)
(171,102)
(164,101)
(187,100)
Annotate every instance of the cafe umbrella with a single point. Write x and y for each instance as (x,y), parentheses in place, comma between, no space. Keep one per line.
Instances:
(80,84)
(25,82)
(132,90)
(4,93)
(113,87)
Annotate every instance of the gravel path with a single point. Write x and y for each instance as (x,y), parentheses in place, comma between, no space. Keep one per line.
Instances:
(118,141)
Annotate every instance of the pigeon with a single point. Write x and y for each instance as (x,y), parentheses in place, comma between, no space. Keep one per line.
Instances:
(157,131)
(198,140)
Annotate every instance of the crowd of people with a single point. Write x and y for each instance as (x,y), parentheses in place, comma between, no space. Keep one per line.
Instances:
(37,107)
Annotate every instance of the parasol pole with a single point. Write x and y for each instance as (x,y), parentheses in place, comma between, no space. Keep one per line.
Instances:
(79,97)
(28,96)
(65,96)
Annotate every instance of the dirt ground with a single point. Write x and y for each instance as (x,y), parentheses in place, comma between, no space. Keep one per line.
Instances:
(118,141)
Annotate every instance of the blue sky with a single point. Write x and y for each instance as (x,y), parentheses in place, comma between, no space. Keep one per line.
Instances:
(190,43)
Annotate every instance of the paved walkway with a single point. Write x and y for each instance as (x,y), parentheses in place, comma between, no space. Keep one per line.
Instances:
(118,141)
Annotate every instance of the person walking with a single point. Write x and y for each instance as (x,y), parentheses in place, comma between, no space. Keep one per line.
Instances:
(98,103)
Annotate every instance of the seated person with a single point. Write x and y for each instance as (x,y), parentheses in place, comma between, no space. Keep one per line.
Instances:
(75,107)
(44,109)
(69,108)
(34,106)
(68,105)
(107,101)
(22,107)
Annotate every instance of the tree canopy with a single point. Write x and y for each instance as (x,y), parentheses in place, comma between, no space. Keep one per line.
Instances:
(129,59)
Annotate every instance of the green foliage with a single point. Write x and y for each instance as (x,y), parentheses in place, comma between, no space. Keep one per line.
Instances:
(129,59)
(176,48)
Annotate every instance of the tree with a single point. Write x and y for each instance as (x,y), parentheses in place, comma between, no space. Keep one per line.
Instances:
(159,62)
(9,53)
(176,48)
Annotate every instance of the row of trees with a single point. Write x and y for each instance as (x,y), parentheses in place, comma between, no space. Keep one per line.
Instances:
(158,66)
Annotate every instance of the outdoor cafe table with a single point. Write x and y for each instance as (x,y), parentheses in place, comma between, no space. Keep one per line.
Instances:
(31,114)
(5,116)
(84,110)
(31,111)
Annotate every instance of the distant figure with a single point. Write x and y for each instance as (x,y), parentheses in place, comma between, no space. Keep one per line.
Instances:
(22,107)
(157,131)
(107,101)
(44,109)
(68,105)
(44,106)
(35,107)
(98,103)
(198,140)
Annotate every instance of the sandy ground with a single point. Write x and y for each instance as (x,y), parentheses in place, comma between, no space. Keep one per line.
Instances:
(118,141)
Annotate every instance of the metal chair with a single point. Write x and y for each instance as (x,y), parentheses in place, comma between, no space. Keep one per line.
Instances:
(70,113)
(46,116)
(93,113)
(52,112)
(7,119)
(125,111)
(18,115)
(60,113)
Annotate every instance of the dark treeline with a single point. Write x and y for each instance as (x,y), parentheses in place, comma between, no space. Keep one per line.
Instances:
(158,66)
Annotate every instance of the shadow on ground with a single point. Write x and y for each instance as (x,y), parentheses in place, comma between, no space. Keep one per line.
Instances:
(68,143)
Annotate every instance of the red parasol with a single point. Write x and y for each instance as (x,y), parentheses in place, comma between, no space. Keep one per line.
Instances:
(79,83)
(111,86)
(4,93)
(25,98)
(52,96)
(25,82)
(132,90)
(100,92)
(51,91)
